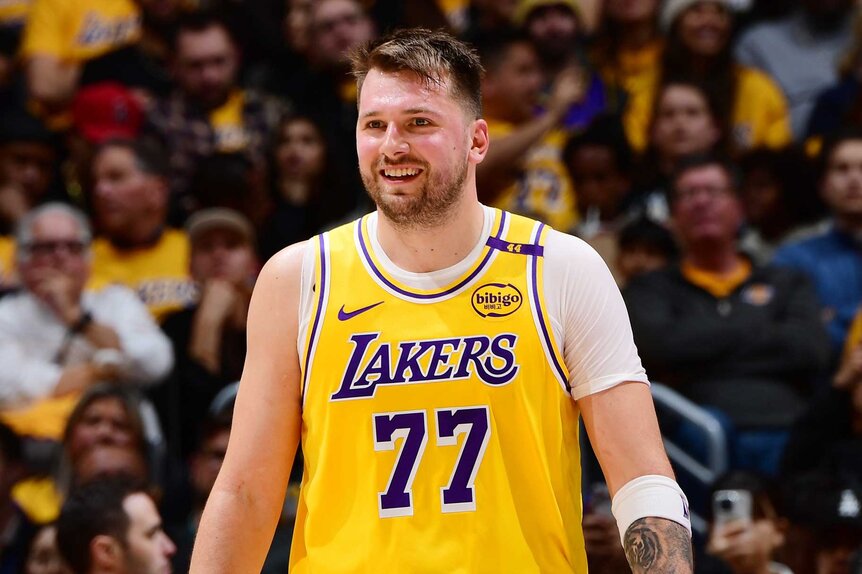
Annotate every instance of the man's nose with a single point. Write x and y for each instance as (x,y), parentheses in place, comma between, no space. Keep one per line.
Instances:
(394,144)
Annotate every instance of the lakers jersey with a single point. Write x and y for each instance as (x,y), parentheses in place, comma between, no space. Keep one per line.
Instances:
(437,427)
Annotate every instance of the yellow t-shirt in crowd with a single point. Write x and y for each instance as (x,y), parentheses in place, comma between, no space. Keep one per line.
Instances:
(159,273)
(77,30)
(8,274)
(760,114)
(227,123)
(854,334)
(637,73)
(43,419)
(718,286)
(13,13)
(39,498)
(544,190)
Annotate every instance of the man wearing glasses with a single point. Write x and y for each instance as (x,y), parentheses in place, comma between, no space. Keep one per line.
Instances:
(56,338)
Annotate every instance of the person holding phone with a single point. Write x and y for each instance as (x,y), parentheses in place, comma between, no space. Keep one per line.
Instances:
(747,530)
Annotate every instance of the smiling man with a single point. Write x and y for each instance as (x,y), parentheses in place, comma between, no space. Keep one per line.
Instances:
(435,357)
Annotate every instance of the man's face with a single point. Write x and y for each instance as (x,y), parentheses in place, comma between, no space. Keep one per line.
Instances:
(206,65)
(705,28)
(337,27)
(104,422)
(683,123)
(554,31)
(148,549)
(28,166)
(122,190)
(597,177)
(56,246)
(705,207)
(512,88)
(416,147)
(104,460)
(222,254)
(842,184)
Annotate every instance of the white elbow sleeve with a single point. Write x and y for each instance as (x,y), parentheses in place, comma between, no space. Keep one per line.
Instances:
(650,495)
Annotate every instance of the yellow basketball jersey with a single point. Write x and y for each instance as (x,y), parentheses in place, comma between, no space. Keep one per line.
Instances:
(437,428)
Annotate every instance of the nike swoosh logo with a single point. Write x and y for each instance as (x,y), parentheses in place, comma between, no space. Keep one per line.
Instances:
(345,315)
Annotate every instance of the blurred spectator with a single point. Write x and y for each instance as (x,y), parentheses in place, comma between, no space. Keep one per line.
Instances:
(643,246)
(685,122)
(135,247)
(58,338)
(63,39)
(209,338)
(523,171)
(601,536)
(829,435)
(107,418)
(100,113)
(209,112)
(28,153)
(627,51)
(113,526)
(488,18)
(779,198)
(840,104)
(801,52)
(599,162)
(555,28)
(16,527)
(738,338)
(43,556)
(748,545)
(232,181)
(833,259)
(205,463)
(699,49)
(825,510)
(302,184)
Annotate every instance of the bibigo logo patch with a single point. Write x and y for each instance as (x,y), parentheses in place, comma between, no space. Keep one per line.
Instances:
(496,300)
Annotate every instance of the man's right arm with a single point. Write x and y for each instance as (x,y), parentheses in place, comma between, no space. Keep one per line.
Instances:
(244,506)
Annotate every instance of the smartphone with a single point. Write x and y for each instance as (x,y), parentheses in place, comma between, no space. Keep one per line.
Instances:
(731,506)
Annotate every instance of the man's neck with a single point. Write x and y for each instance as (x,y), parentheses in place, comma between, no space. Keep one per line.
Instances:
(720,260)
(427,249)
(140,237)
(636,35)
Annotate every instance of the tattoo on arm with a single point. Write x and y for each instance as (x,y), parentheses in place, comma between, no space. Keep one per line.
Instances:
(658,545)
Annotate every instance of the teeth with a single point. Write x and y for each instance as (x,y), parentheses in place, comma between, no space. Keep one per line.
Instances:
(401,172)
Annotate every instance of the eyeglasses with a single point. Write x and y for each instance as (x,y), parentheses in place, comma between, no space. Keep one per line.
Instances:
(45,248)
(710,191)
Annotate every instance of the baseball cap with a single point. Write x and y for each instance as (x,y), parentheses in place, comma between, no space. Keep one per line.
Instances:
(671,9)
(526,7)
(106,110)
(19,125)
(212,218)
(825,502)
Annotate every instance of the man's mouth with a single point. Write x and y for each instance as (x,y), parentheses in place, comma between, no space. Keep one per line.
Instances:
(400,174)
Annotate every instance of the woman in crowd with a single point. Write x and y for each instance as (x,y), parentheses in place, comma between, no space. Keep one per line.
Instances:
(699,49)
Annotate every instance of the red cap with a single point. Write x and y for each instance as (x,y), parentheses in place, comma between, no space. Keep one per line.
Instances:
(106,110)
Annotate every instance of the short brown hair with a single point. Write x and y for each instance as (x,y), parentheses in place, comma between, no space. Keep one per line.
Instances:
(434,56)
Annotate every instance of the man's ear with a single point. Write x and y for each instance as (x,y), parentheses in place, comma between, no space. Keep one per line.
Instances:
(106,553)
(479,142)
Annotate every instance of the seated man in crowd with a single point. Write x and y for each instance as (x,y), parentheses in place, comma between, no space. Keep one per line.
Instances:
(58,338)
(112,526)
(743,340)
(135,247)
(209,338)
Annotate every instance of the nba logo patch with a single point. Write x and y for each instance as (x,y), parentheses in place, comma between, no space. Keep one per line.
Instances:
(759,294)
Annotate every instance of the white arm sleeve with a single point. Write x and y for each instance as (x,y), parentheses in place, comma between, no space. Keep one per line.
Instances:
(588,317)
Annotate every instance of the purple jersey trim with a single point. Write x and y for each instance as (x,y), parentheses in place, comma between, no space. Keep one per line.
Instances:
(425,296)
(321,290)
(519,248)
(534,272)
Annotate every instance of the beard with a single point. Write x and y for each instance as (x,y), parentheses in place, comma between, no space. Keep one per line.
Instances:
(427,207)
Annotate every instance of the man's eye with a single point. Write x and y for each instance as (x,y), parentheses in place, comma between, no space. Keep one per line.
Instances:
(421,122)
(374,124)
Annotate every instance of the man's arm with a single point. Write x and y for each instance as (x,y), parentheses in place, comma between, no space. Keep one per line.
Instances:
(629,450)
(243,509)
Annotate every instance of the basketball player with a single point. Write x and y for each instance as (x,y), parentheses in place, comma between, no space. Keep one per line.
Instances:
(434,358)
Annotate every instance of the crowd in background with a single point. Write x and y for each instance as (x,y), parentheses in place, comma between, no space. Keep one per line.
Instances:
(154,153)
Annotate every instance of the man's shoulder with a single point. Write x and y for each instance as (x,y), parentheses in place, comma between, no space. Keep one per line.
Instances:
(810,249)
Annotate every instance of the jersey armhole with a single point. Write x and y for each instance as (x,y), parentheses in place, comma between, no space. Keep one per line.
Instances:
(314,293)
